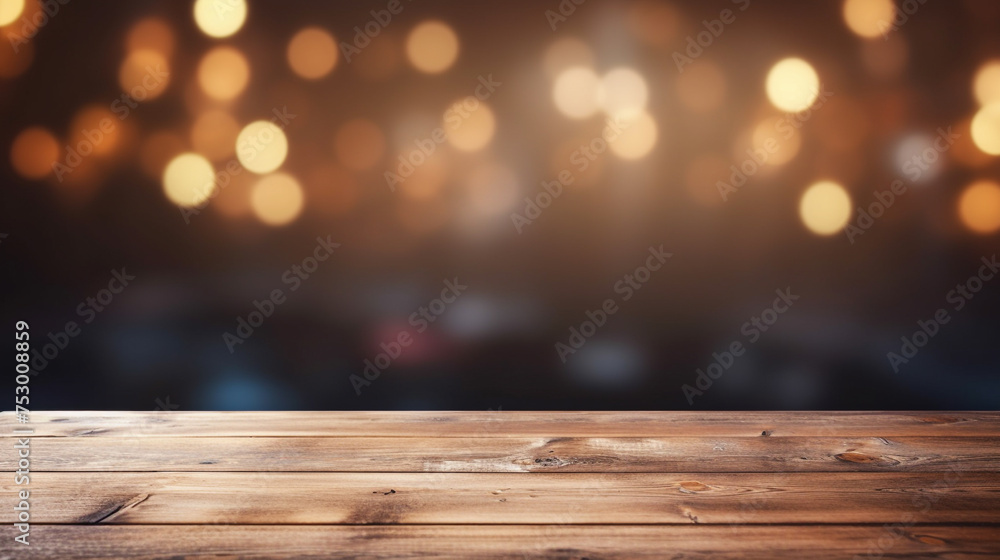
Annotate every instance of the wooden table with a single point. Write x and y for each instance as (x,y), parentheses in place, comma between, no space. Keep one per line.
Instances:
(507,484)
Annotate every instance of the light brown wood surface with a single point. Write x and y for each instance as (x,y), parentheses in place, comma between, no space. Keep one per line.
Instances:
(508,485)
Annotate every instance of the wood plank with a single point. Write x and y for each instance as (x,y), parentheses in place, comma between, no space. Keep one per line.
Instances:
(458,498)
(391,454)
(69,542)
(506,424)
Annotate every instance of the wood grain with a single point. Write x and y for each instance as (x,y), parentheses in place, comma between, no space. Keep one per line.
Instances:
(509,541)
(757,485)
(392,454)
(452,498)
(506,424)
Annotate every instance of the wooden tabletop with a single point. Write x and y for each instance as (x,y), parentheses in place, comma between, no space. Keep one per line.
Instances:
(592,485)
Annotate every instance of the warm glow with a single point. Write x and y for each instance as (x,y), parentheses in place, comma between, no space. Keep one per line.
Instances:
(565,53)
(475,131)
(144,74)
(986,129)
(220,18)
(979,207)
(869,18)
(261,147)
(987,83)
(214,134)
(623,93)
(427,180)
(432,47)
(492,190)
(312,53)
(10,10)
(780,141)
(15,63)
(359,144)
(188,180)
(33,153)
(223,73)
(277,199)
(701,87)
(151,34)
(792,85)
(825,208)
(654,23)
(577,92)
(637,139)
(95,129)
(964,150)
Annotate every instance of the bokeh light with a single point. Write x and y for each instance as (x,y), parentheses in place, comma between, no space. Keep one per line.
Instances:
(979,207)
(917,151)
(312,53)
(144,74)
(475,131)
(95,130)
(34,151)
(261,147)
(986,85)
(432,47)
(623,93)
(702,87)
(151,34)
(214,133)
(986,129)
(778,138)
(218,18)
(277,199)
(14,63)
(223,73)
(869,18)
(792,85)
(825,208)
(965,151)
(10,10)
(576,92)
(359,144)
(188,180)
(637,139)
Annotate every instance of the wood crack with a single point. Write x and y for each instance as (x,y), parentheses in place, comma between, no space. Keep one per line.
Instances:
(118,511)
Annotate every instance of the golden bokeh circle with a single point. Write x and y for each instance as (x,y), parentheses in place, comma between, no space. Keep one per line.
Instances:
(825,208)
(220,18)
(312,53)
(33,153)
(432,47)
(277,199)
(979,207)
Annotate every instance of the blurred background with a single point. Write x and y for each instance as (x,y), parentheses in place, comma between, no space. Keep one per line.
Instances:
(206,146)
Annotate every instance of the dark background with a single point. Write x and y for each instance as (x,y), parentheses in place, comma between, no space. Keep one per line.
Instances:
(160,341)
